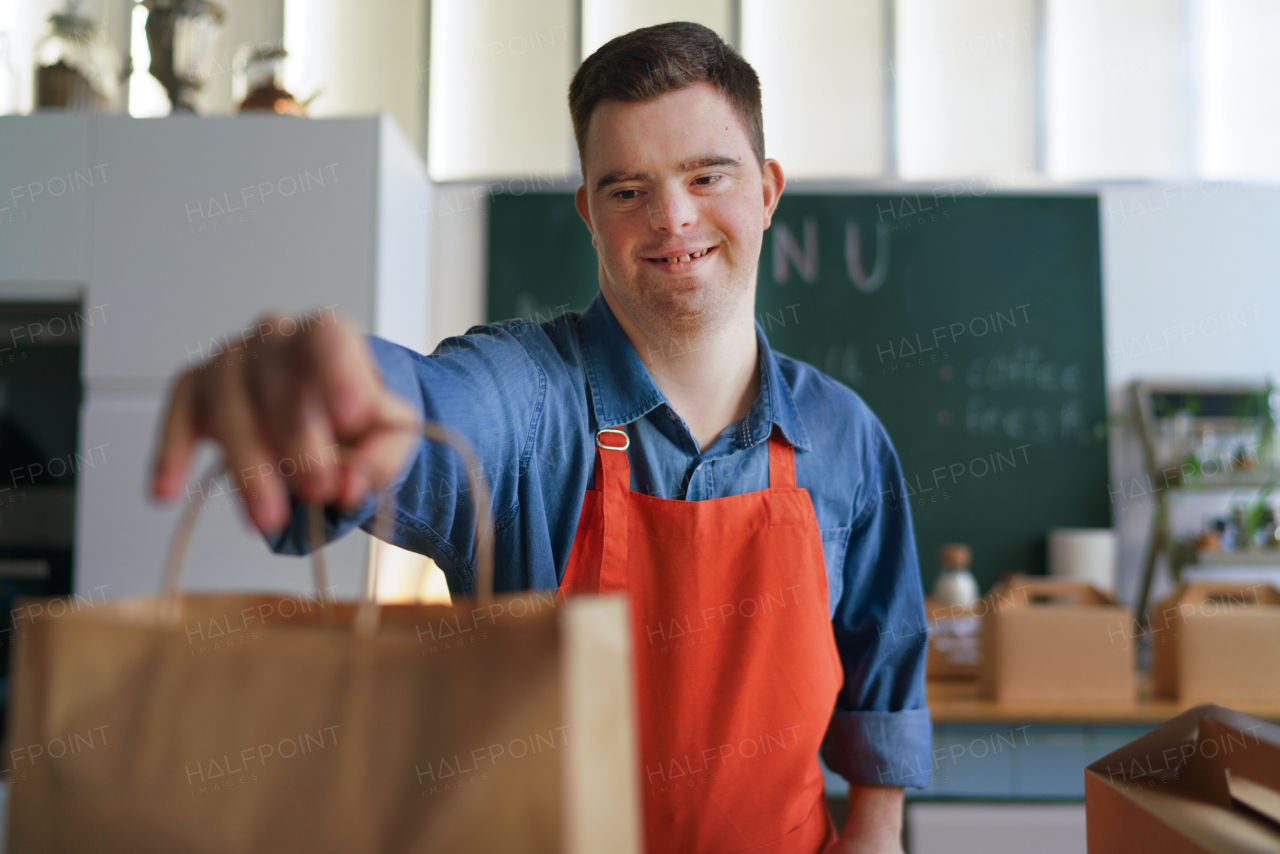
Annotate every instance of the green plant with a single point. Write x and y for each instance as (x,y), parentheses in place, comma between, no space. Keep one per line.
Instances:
(1250,515)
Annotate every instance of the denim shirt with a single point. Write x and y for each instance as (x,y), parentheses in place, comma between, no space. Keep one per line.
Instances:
(530,397)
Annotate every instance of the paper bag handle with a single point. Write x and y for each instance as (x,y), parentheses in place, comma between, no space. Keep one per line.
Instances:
(367,616)
(482,590)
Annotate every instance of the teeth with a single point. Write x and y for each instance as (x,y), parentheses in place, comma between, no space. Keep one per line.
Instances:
(688,257)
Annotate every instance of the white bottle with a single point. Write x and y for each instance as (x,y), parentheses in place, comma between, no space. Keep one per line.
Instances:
(955,585)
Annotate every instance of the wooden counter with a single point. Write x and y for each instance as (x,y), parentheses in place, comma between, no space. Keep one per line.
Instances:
(956,701)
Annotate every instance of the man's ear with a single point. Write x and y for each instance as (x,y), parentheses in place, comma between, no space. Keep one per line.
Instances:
(580,202)
(774,182)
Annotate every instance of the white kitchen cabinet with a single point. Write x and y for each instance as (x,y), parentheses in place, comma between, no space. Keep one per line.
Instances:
(995,828)
(47,180)
(209,222)
(195,228)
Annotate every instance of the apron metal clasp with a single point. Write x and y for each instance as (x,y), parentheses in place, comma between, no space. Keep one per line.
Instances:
(622,433)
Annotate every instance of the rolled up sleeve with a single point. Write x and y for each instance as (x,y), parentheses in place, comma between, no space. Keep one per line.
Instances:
(483,385)
(881,733)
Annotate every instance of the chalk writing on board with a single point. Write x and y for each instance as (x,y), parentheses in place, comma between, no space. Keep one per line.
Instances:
(853,257)
(977,327)
(1056,422)
(789,252)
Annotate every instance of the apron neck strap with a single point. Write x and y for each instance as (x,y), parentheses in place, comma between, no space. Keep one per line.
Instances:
(782,462)
(613,479)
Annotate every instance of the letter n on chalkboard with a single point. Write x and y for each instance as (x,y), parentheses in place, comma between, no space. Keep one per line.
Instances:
(785,248)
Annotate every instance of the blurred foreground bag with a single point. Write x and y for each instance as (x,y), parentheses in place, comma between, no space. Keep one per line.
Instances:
(1205,781)
(255,723)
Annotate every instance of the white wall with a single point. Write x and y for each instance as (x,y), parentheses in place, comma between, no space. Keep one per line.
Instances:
(361,58)
(1117,99)
(500,72)
(1191,289)
(1240,103)
(966,88)
(604,19)
(823,70)
(458,223)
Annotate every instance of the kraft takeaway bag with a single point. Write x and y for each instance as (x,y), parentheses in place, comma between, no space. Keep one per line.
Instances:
(1204,782)
(502,724)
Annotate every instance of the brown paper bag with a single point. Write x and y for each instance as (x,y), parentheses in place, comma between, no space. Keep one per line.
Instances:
(261,723)
(1206,781)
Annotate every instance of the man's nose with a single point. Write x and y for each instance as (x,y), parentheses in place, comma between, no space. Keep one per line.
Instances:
(672,210)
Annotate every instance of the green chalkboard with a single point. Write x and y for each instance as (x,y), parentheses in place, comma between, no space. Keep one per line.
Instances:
(972,326)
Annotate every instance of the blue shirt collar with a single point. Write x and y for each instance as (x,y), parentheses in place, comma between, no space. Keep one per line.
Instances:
(623,390)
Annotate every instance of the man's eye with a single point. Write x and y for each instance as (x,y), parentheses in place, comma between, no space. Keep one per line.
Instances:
(626,195)
(707,180)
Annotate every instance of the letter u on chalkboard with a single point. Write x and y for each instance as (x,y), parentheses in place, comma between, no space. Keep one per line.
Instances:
(853,257)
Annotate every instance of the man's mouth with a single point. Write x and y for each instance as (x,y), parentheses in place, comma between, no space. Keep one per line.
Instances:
(687,257)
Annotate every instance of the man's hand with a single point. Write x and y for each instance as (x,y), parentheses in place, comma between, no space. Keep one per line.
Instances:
(303,412)
(874,822)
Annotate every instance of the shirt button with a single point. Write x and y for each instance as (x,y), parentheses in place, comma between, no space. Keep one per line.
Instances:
(671,413)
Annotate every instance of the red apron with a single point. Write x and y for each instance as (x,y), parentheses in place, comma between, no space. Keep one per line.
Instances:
(736,664)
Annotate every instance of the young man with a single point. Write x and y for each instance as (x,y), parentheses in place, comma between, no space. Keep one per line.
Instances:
(746,503)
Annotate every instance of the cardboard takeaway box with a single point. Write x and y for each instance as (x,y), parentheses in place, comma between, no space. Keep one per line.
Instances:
(1055,639)
(1217,643)
(1205,781)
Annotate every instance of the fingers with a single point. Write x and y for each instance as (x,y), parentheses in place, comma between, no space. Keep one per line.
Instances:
(315,448)
(349,380)
(178,437)
(247,455)
(288,399)
(307,414)
(375,428)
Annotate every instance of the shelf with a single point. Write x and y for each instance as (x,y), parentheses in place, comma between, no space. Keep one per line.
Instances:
(956,701)
(1259,557)
(1253,480)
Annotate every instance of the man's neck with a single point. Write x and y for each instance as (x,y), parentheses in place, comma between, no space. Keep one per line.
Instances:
(710,377)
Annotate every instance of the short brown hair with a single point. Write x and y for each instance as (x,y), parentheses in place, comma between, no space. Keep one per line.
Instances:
(647,63)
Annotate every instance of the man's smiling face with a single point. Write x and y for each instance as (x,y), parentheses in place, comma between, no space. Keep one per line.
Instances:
(677,204)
